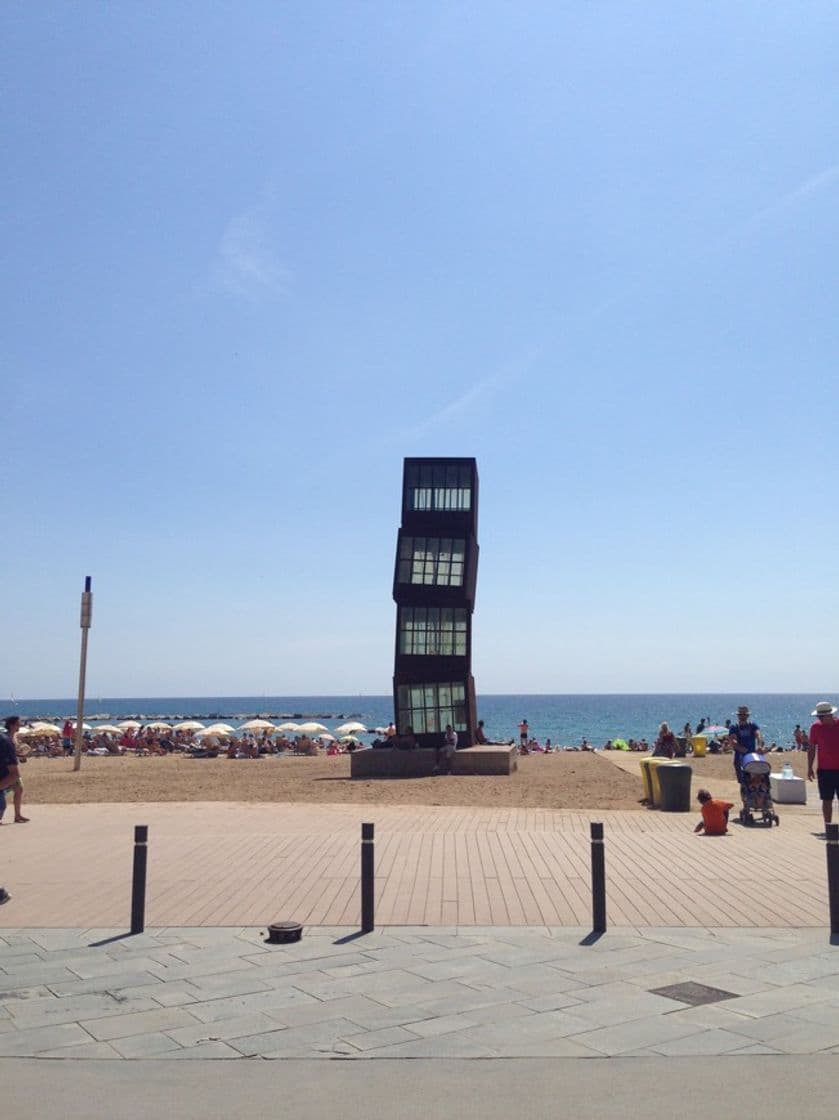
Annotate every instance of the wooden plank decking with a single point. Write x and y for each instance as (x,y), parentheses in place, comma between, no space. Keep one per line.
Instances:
(227,864)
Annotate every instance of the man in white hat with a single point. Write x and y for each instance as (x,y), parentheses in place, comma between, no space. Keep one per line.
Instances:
(824,739)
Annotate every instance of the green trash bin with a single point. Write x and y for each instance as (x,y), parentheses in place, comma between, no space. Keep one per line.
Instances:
(674,778)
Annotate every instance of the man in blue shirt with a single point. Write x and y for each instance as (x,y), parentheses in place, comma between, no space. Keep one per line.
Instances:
(745,738)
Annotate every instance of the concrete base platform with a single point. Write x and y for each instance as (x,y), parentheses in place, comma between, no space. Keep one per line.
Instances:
(392,763)
(420,763)
(495,759)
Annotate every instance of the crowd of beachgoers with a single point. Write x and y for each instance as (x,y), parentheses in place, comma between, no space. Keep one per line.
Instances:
(258,738)
(254,739)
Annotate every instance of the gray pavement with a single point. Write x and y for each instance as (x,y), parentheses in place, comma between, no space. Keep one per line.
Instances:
(655,1088)
(418,993)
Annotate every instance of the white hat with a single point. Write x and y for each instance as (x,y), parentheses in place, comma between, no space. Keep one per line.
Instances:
(824,708)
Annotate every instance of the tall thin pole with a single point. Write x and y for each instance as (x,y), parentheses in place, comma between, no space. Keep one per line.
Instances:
(87,612)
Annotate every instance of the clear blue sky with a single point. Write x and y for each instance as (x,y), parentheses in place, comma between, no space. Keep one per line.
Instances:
(255,253)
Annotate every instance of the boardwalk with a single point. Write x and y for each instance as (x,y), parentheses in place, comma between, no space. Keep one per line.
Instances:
(216,864)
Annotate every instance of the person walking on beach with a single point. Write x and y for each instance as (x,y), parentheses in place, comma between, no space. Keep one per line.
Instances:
(745,738)
(524,733)
(9,772)
(824,743)
(665,744)
(446,752)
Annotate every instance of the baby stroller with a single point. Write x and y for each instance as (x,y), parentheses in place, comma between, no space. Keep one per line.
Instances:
(756,792)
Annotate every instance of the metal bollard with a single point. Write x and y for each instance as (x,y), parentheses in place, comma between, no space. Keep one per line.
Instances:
(832,831)
(368,880)
(598,879)
(138,882)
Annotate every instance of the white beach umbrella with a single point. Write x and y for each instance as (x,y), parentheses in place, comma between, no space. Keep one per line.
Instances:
(311,728)
(46,728)
(221,728)
(159,725)
(211,732)
(108,729)
(189,725)
(258,725)
(25,732)
(350,728)
(326,737)
(129,724)
(288,727)
(349,739)
(85,726)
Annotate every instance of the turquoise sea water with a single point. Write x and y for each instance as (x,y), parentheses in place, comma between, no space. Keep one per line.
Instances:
(563,718)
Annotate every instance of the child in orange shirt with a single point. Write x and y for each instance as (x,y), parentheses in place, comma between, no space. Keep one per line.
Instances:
(714,814)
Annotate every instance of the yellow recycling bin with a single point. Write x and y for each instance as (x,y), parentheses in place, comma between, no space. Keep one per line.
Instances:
(655,784)
(647,780)
(700,746)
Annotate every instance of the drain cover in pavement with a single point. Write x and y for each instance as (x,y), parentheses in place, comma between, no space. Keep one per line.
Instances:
(693,993)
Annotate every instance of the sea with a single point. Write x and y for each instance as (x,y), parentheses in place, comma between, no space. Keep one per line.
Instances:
(565,719)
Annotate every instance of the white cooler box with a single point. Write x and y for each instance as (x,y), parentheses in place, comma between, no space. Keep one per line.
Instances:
(788,791)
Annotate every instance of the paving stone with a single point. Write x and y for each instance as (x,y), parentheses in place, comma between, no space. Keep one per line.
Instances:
(642,1033)
(373,1040)
(317,1038)
(539,980)
(444,1046)
(35,976)
(8,999)
(605,1012)
(12,940)
(103,965)
(171,973)
(274,965)
(10,961)
(150,1045)
(361,1010)
(217,987)
(462,969)
(164,995)
(755,1048)
(273,1001)
(807,1038)
(51,1011)
(779,999)
(141,1022)
(501,1012)
(704,1043)
(116,982)
(205,1052)
(547,1048)
(380,1017)
(28,1043)
(711,1015)
(84,1051)
(57,939)
(549,1003)
(617,989)
(468,1000)
(222,1030)
(442,1024)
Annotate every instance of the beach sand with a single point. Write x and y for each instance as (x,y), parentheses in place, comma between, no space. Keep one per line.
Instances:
(567,780)
(558,781)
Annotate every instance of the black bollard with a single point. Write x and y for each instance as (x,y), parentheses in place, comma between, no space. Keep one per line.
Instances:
(832,846)
(368,880)
(598,879)
(138,882)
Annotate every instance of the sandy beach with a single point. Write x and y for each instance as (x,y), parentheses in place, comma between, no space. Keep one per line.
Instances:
(559,781)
